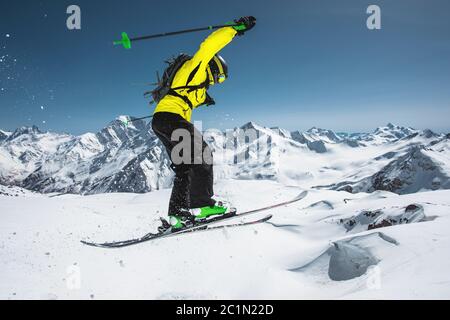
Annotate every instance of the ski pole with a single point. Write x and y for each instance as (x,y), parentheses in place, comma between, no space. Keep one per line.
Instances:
(126,41)
(147,117)
(127,122)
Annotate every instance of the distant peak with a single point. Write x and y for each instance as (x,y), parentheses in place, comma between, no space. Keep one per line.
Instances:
(385,128)
(314,129)
(429,133)
(26,130)
(123,118)
(318,130)
(324,133)
(250,125)
(129,122)
(21,131)
(391,126)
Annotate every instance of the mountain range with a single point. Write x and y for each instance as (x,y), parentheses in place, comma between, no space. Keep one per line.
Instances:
(130,158)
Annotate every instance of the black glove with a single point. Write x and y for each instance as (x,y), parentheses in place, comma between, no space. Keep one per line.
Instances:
(244,24)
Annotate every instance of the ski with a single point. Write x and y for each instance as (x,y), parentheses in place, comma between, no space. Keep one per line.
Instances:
(154,236)
(231,225)
(204,226)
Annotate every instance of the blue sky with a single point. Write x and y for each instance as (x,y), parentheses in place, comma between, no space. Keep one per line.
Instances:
(306,63)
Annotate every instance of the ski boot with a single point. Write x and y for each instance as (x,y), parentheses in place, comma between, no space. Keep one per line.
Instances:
(221,208)
(188,218)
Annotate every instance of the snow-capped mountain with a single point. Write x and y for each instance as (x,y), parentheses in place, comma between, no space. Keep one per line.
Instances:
(392,132)
(4,135)
(130,158)
(322,134)
(24,150)
(119,158)
(382,135)
(418,169)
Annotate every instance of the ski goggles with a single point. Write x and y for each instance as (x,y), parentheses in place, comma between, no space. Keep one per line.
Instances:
(221,78)
(213,79)
(219,75)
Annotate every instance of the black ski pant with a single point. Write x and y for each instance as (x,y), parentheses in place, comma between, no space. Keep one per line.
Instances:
(193,183)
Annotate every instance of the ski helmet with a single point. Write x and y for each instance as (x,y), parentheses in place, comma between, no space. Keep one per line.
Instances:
(217,70)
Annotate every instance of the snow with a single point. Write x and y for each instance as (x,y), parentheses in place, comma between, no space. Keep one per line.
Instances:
(297,255)
(331,245)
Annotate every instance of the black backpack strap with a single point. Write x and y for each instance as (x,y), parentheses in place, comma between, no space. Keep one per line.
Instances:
(193,88)
(209,101)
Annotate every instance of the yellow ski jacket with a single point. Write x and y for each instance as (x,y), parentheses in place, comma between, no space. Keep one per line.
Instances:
(192,73)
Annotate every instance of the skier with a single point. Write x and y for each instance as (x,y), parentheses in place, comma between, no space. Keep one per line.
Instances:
(192,193)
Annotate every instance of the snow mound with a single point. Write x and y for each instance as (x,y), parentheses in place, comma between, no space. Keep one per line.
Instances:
(347,259)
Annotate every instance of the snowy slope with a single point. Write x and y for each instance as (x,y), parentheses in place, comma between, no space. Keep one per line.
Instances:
(307,251)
